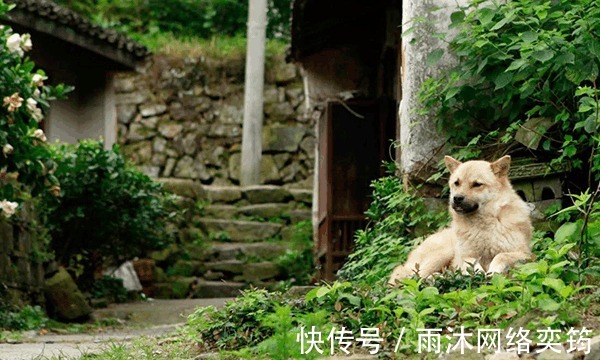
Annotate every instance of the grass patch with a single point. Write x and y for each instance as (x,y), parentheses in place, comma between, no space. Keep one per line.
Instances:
(221,47)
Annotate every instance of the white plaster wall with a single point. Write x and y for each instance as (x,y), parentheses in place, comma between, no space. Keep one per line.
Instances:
(419,139)
(89,112)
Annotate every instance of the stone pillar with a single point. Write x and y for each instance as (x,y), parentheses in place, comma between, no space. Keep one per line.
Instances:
(419,139)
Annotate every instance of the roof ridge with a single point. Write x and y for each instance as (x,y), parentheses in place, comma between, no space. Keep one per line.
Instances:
(80,23)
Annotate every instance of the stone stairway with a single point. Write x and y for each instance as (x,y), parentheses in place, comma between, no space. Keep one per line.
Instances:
(230,240)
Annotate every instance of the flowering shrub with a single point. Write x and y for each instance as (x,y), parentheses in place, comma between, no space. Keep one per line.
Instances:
(25,162)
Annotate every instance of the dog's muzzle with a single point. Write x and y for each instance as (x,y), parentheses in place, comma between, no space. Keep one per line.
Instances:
(461,205)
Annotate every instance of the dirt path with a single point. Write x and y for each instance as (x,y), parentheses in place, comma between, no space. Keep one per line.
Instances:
(151,318)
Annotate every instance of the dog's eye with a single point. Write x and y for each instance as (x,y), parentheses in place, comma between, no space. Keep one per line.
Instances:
(476,184)
(457,183)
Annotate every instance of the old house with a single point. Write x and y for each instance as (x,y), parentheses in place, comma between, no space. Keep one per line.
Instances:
(73,51)
(361,78)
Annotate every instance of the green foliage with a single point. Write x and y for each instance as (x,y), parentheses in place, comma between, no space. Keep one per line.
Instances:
(183,18)
(25,162)
(236,325)
(298,261)
(395,215)
(111,288)
(106,211)
(26,318)
(521,60)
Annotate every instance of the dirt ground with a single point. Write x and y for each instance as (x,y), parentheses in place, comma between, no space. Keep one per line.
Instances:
(149,318)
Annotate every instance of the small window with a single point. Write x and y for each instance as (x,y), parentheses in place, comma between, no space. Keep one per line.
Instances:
(548,193)
(521,193)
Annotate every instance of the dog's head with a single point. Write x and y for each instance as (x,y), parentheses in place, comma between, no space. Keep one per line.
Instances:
(474,183)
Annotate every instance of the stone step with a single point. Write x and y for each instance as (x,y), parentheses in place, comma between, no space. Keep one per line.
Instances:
(233,251)
(264,211)
(257,194)
(238,230)
(302,195)
(183,187)
(217,289)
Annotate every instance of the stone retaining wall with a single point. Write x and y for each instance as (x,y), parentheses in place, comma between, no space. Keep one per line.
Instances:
(21,262)
(183,119)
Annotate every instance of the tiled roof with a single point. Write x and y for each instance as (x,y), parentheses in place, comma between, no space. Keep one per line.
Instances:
(53,12)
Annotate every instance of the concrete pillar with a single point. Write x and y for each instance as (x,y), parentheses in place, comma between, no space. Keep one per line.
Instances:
(253,93)
(419,138)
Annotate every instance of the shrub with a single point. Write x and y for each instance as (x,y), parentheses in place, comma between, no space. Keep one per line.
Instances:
(25,162)
(106,211)
(518,61)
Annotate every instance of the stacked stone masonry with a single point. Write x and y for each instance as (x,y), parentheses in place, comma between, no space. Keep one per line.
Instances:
(231,239)
(183,119)
(21,272)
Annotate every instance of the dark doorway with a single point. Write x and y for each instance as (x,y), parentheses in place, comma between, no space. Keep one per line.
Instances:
(353,141)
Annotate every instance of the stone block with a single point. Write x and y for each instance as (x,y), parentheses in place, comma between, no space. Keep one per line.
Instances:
(226,266)
(145,270)
(280,138)
(265,211)
(65,300)
(249,231)
(217,289)
(188,168)
(184,187)
(285,73)
(302,195)
(269,172)
(261,194)
(126,113)
(148,110)
(7,241)
(261,271)
(182,287)
(170,129)
(223,194)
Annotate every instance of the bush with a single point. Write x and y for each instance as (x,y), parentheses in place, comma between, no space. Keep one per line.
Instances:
(518,61)
(106,211)
(25,162)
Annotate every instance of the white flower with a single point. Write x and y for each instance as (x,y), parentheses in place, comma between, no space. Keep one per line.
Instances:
(13,102)
(7,149)
(26,42)
(8,207)
(39,133)
(38,79)
(35,111)
(31,104)
(13,43)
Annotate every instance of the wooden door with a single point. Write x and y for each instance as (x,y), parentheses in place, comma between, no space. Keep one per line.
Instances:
(353,141)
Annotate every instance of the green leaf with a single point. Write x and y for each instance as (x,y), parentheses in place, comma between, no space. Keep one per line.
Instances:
(322,291)
(566,232)
(590,124)
(311,294)
(457,17)
(529,37)
(485,16)
(543,55)
(516,65)
(556,284)
(503,79)
(434,56)
(547,304)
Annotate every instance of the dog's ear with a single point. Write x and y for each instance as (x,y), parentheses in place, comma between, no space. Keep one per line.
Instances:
(451,163)
(500,167)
